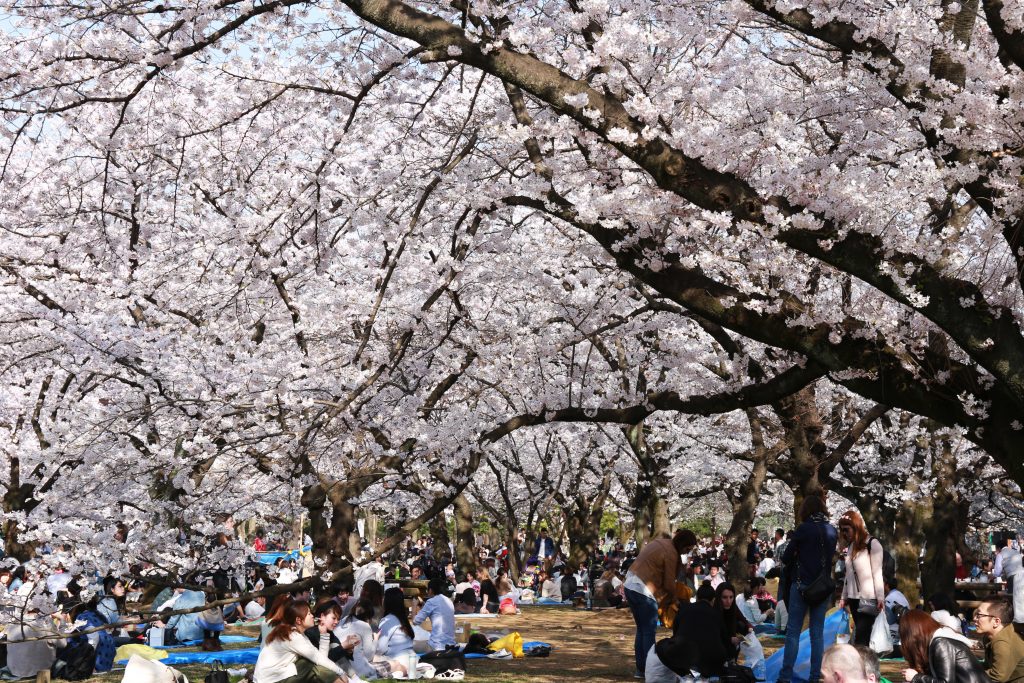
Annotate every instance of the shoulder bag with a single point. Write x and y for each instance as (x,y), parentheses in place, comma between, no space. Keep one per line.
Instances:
(823,586)
(866,607)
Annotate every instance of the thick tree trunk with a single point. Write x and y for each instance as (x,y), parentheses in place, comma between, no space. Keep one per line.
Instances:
(906,550)
(583,528)
(14,546)
(370,529)
(650,509)
(515,554)
(939,571)
(744,509)
(641,519)
(439,533)
(335,536)
(661,525)
(18,499)
(465,552)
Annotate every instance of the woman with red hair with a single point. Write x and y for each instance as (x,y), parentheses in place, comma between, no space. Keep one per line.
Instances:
(863,588)
(289,657)
(936,653)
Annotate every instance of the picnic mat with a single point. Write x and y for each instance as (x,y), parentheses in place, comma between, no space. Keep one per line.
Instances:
(835,623)
(251,654)
(245,655)
(223,639)
(526,648)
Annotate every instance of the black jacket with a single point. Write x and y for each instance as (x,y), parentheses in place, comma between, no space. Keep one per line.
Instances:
(336,652)
(803,556)
(696,641)
(952,662)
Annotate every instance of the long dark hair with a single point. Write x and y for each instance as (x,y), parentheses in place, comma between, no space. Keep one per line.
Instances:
(732,619)
(109,583)
(372,592)
(394,603)
(363,611)
(293,612)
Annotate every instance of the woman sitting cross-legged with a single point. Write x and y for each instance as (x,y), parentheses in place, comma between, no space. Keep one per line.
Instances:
(288,655)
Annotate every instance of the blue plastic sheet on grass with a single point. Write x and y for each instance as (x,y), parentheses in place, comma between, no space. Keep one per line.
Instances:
(247,655)
(526,648)
(835,623)
(223,639)
(271,556)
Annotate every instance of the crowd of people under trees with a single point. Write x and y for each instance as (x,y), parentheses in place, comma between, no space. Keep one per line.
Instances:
(794,579)
(365,626)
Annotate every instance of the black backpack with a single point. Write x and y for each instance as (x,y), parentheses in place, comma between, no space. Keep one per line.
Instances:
(75,662)
(568,586)
(888,562)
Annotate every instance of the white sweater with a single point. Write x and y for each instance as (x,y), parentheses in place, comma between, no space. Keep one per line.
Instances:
(277,659)
(367,644)
(864,573)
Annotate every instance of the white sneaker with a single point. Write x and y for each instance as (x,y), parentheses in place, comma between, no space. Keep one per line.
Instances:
(500,654)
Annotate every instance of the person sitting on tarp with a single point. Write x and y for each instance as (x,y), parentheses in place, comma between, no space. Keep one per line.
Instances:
(186,626)
(327,614)
(85,617)
(550,590)
(289,656)
(466,602)
(110,607)
(31,645)
(441,612)
(696,643)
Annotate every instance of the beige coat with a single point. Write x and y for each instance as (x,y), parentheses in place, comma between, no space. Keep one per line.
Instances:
(864,573)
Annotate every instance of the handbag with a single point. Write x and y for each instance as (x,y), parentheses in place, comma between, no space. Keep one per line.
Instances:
(445,660)
(217,673)
(737,673)
(865,607)
(823,586)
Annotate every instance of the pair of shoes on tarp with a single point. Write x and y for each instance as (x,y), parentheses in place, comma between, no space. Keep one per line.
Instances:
(211,645)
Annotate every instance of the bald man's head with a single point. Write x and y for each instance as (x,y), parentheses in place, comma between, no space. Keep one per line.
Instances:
(842,664)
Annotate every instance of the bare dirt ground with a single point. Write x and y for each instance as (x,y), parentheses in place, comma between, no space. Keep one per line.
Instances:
(587,646)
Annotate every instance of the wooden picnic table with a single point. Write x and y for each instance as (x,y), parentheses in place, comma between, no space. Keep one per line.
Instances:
(982,590)
(979,586)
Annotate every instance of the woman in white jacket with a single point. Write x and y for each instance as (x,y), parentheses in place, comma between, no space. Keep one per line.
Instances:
(289,657)
(863,588)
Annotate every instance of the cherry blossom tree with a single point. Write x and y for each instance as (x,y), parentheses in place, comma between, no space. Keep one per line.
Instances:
(269,256)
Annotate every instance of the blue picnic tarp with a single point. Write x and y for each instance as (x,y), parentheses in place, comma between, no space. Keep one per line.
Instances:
(526,648)
(835,623)
(246,655)
(271,556)
(223,639)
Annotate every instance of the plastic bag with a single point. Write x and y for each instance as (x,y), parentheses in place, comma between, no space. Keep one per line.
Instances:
(513,642)
(881,636)
(753,655)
